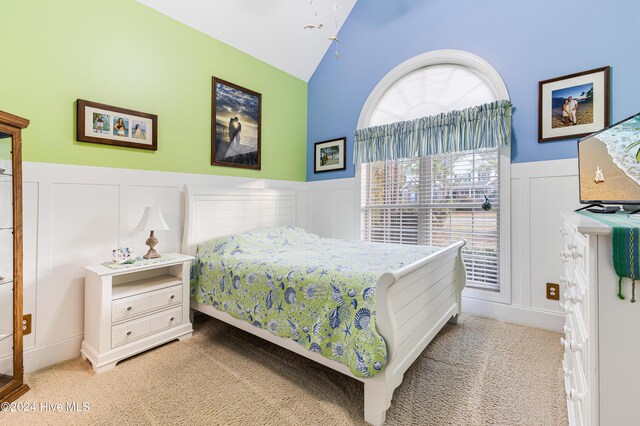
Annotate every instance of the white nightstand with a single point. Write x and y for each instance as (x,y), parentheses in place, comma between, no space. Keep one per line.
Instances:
(133,309)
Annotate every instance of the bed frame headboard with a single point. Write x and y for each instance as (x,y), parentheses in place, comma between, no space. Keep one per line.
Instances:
(215,212)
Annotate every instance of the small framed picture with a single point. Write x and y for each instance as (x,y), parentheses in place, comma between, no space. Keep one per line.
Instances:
(574,105)
(109,125)
(236,127)
(330,155)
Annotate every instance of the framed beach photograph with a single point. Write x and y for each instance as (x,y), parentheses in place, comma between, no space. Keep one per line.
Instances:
(236,126)
(330,155)
(109,125)
(574,105)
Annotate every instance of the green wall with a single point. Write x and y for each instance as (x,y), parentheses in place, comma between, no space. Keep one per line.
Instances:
(119,52)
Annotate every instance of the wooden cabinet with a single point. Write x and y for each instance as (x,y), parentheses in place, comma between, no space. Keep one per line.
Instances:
(11,368)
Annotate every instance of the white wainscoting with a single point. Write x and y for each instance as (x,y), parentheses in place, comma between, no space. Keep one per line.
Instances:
(76,215)
(539,192)
(334,208)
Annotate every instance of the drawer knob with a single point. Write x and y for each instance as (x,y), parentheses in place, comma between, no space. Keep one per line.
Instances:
(172,296)
(128,333)
(571,345)
(128,308)
(171,319)
(574,395)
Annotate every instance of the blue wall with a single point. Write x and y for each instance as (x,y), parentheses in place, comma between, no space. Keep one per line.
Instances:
(526,41)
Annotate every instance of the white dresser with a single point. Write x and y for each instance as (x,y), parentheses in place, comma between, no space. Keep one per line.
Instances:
(602,333)
(133,309)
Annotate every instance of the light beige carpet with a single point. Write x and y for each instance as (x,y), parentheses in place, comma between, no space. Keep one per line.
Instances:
(479,372)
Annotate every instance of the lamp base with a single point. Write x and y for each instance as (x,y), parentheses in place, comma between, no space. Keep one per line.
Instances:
(152,241)
(151,254)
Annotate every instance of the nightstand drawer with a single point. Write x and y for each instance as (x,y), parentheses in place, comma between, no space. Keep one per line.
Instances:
(137,329)
(130,307)
(167,297)
(130,331)
(166,319)
(134,306)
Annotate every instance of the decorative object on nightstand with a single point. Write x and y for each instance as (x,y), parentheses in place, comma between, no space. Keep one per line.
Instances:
(132,308)
(123,255)
(152,220)
(12,384)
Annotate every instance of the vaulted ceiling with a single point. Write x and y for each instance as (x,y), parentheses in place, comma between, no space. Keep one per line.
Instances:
(270,30)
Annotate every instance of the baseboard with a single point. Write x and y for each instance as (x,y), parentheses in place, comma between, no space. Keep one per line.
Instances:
(44,356)
(521,315)
(55,353)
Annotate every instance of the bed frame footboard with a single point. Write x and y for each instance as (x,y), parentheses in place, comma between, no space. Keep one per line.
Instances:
(413,304)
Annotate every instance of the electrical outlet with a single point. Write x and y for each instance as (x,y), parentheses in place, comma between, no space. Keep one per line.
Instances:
(553,291)
(26,324)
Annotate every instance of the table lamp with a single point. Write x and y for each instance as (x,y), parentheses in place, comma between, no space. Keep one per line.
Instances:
(152,220)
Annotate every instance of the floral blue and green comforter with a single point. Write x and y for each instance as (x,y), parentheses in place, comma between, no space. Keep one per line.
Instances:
(319,292)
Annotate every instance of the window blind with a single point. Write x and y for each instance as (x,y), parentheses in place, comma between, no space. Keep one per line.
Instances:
(435,201)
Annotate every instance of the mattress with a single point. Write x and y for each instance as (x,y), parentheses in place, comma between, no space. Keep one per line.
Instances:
(317,291)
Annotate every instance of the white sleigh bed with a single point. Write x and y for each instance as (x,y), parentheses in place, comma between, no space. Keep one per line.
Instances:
(409,292)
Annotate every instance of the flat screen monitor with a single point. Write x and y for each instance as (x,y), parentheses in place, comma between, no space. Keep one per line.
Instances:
(609,164)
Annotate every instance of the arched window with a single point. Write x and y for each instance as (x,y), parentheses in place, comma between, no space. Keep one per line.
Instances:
(437,200)
(431,90)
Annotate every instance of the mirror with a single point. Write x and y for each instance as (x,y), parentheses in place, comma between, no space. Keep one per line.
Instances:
(6,260)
